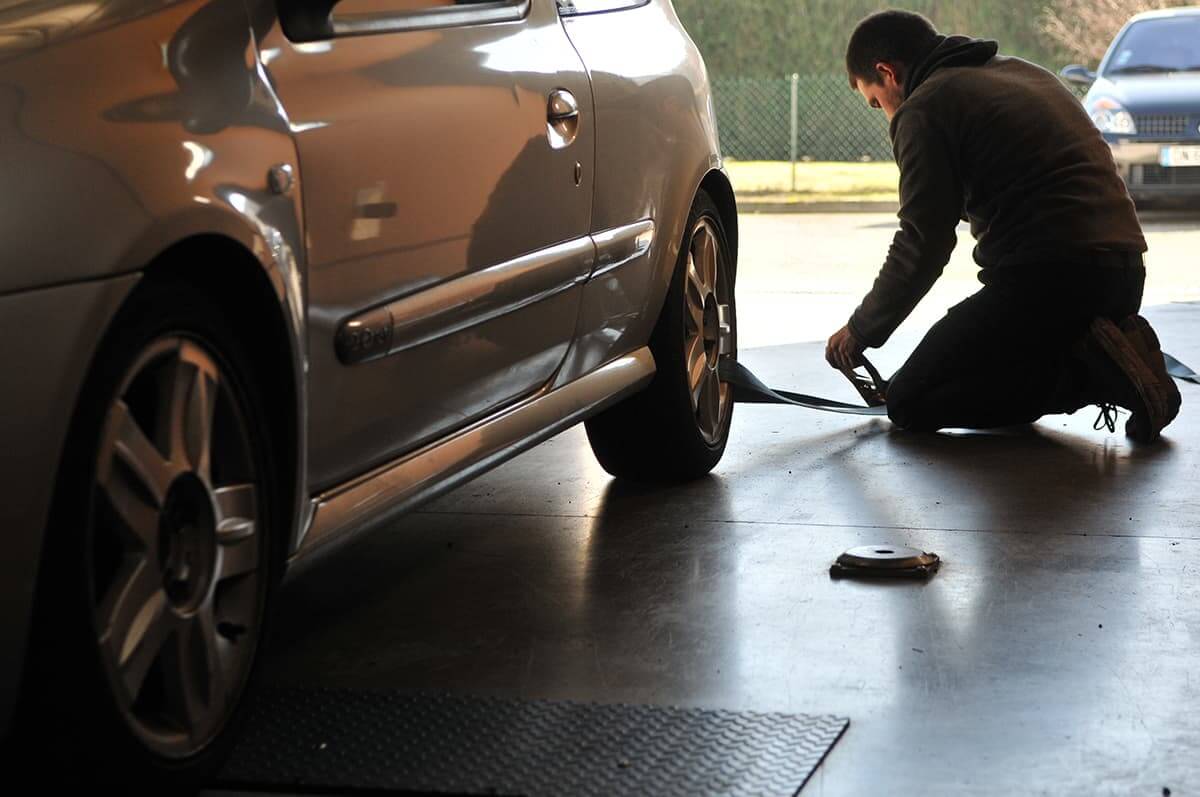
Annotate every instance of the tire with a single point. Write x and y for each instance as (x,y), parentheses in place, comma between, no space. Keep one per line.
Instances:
(677,428)
(161,557)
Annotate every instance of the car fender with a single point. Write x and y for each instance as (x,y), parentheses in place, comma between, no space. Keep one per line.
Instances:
(124,134)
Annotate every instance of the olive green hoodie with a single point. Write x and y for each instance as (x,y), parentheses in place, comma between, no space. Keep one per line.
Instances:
(1001,143)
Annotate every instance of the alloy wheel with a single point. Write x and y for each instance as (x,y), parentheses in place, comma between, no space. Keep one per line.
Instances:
(174,554)
(708,332)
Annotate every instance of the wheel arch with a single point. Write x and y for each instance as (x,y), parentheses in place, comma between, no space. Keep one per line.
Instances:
(232,278)
(716,184)
(235,279)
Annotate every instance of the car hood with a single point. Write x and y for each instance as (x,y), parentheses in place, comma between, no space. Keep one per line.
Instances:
(1172,93)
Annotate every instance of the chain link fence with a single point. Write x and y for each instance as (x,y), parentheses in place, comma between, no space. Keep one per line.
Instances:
(798,117)
(801,118)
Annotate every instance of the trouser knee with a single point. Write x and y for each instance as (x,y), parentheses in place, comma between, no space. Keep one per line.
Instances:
(907,407)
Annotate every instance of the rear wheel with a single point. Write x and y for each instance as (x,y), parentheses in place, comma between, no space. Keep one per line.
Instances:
(678,427)
(159,561)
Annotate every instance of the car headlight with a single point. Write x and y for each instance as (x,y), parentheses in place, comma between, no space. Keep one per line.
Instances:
(1110,117)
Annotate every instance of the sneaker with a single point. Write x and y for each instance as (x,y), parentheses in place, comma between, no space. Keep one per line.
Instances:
(1139,332)
(1124,379)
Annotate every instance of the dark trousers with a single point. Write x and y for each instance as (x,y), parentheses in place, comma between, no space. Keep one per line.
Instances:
(1006,355)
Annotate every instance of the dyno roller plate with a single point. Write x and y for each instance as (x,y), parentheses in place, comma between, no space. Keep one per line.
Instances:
(335,740)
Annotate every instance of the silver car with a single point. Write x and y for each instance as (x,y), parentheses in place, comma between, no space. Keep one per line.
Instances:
(275,272)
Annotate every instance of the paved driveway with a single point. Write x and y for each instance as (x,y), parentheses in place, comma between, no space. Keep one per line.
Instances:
(800,276)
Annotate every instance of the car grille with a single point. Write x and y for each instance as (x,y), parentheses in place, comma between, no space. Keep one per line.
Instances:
(1164,125)
(1153,174)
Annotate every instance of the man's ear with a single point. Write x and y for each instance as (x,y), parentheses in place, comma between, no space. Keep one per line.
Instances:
(886,71)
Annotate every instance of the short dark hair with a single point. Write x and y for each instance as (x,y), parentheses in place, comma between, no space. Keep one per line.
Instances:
(899,38)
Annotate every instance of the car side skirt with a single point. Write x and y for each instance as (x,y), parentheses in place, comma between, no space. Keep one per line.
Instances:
(342,513)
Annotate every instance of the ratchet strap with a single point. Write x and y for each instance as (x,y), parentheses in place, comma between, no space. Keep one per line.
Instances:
(748,389)
(1180,371)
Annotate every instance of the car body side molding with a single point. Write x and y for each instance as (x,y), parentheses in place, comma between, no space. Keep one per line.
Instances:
(622,245)
(462,303)
(484,295)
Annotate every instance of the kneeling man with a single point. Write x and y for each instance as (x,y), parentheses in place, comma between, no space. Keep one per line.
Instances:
(1001,143)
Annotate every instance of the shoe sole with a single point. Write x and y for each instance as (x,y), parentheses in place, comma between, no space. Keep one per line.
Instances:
(1144,425)
(1138,330)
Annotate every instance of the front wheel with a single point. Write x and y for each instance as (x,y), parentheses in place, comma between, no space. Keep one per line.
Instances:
(677,428)
(158,566)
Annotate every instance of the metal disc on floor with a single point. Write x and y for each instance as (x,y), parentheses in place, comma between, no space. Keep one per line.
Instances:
(885,561)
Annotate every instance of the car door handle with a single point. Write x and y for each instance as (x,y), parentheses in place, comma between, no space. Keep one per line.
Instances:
(562,118)
(562,105)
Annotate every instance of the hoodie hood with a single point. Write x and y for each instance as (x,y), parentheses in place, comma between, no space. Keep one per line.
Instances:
(950,51)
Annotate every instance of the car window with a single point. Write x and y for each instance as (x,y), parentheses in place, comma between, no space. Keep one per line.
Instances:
(366,17)
(403,6)
(573,7)
(1155,46)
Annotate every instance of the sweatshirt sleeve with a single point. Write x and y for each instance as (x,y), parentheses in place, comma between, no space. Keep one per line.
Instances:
(931,203)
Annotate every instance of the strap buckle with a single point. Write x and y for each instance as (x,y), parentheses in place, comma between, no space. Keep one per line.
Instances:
(871,386)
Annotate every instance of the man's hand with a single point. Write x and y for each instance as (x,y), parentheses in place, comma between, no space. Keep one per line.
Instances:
(844,351)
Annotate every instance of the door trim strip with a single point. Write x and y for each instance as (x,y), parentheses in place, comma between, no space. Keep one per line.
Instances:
(462,303)
(485,295)
(622,245)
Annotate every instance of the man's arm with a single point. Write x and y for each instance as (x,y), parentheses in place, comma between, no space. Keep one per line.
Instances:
(931,202)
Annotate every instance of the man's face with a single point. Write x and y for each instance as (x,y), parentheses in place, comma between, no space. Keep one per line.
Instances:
(887,94)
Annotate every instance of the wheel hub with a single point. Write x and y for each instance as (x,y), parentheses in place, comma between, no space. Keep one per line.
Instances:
(187,548)
(712,330)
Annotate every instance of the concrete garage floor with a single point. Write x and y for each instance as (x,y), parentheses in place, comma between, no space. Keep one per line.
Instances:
(1057,652)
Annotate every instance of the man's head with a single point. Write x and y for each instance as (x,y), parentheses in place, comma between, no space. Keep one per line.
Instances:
(882,51)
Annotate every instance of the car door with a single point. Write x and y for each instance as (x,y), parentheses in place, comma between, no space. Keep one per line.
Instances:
(445,156)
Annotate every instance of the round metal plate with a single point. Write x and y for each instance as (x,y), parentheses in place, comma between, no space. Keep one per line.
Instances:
(886,557)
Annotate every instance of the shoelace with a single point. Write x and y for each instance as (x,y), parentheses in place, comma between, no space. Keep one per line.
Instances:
(1108,417)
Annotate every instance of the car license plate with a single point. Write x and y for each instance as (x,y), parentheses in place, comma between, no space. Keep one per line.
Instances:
(1179,156)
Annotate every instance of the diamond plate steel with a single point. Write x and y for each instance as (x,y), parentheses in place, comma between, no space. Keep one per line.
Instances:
(350,739)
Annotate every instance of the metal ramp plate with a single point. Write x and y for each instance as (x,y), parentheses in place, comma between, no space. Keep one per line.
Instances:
(350,740)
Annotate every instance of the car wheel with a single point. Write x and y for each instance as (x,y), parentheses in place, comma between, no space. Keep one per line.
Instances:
(159,561)
(677,428)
